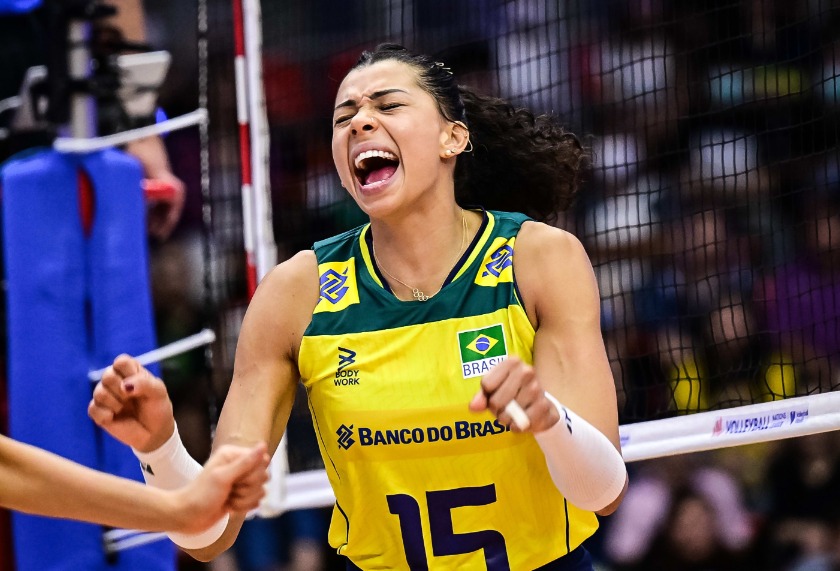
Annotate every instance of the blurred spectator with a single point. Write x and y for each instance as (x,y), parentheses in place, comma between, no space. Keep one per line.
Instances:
(801,299)
(735,352)
(828,76)
(706,276)
(681,513)
(690,540)
(295,541)
(725,166)
(617,160)
(533,55)
(638,84)
(803,484)
(621,229)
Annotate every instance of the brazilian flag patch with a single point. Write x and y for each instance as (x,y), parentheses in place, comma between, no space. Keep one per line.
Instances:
(481,349)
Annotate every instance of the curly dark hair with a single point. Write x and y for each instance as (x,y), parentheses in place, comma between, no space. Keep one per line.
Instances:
(520,162)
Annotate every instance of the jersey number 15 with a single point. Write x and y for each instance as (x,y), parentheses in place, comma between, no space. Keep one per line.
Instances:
(444,540)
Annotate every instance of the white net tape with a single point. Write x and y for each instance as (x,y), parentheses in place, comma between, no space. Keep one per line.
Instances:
(749,424)
(647,440)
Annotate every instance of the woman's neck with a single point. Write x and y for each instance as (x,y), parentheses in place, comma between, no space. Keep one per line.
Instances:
(419,249)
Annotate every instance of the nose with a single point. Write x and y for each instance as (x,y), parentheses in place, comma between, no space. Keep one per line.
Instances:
(362,121)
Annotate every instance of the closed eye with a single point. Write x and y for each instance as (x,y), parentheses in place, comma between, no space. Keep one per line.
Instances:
(385,107)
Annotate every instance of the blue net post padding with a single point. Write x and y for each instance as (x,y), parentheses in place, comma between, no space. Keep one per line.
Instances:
(75,300)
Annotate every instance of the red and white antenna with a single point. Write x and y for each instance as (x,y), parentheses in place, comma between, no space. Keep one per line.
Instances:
(260,248)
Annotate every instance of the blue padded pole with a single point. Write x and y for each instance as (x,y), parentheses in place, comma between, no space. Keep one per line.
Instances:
(74,302)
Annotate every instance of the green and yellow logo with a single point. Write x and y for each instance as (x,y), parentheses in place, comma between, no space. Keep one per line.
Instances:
(481,349)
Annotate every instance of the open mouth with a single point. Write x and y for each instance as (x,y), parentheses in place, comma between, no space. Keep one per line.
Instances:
(375,167)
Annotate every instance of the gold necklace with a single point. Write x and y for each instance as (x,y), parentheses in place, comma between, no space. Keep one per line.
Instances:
(418,294)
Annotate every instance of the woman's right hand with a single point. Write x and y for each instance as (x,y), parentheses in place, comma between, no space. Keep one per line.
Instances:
(233,480)
(132,405)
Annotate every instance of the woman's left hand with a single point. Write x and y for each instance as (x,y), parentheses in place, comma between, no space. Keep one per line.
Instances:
(514,380)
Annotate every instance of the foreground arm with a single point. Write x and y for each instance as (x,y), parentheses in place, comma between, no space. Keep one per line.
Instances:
(265,374)
(569,393)
(132,405)
(38,482)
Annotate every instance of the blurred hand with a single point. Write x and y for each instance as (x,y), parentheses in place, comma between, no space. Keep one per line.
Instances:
(233,480)
(514,380)
(165,209)
(132,405)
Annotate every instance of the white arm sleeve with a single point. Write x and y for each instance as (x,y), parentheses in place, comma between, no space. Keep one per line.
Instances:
(171,467)
(583,463)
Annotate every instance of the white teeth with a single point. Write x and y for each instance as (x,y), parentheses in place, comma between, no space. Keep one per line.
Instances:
(371,154)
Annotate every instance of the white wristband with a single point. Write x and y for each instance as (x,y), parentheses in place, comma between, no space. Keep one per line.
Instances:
(171,467)
(584,465)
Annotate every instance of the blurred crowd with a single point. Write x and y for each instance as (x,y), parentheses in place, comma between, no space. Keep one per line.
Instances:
(711,213)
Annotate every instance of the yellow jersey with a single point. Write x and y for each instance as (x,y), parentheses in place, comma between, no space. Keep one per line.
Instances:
(420,481)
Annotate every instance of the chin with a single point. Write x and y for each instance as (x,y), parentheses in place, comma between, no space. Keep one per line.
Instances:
(380,207)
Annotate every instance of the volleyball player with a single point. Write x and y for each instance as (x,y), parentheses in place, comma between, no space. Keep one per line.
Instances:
(452,353)
(38,482)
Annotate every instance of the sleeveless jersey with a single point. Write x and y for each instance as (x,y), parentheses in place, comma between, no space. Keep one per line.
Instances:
(420,481)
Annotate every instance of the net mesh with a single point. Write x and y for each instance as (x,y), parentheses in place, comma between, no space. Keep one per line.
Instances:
(711,212)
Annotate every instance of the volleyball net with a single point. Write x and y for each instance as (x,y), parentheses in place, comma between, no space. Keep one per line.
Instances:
(711,211)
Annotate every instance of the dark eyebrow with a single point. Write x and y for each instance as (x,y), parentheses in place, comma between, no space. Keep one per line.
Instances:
(374,95)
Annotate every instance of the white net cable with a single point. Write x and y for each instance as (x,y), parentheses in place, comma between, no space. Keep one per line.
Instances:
(710,430)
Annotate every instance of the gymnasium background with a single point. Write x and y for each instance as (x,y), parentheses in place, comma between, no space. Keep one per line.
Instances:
(714,195)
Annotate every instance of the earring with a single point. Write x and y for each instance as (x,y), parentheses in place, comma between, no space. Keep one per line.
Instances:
(448,152)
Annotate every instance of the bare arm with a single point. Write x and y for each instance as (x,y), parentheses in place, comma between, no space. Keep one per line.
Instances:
(265,374)
(568,395)
(38,482)
(558,284)
(570,361)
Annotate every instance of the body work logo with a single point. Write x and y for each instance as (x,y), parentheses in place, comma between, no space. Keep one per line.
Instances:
(345,436)
(742,424)
(337,285)
(343,375)
(481,349)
